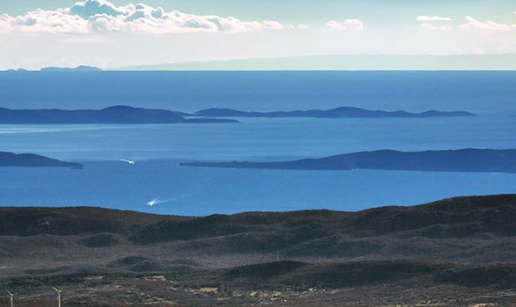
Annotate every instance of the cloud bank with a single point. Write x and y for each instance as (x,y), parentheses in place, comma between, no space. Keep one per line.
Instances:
(436,23)
(431,27)
(474,24)
(433,18)
(346,25)
(101,16)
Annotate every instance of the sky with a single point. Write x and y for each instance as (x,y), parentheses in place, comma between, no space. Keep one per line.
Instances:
(118,33)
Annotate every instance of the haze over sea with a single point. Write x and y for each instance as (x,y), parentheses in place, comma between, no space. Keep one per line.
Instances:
(157,149)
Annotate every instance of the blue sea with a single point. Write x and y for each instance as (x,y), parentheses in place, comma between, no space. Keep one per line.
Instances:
(107,181)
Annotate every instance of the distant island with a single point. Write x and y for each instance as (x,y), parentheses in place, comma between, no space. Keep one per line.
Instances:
(341,112)
(111,115)
(81,68)
(15,70)
(463,62)
(463,160)
(8,159)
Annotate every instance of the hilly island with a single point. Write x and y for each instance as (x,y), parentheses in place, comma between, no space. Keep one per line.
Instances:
(132,115)
(340,112)
(8,159)
(111,115)
(454,252)
(463,160)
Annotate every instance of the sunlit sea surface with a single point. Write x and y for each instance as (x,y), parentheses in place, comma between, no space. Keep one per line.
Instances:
(108,181)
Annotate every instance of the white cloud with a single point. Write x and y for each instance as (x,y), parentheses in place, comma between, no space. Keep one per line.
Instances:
(433,23)
(346,25)
(101,16)
(90,8)
(474,24)
(4,23)
(433,18)
(300,27)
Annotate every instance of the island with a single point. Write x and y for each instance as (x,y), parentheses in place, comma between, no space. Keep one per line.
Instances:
(81,68)
(341,112)
(15,70)
(462,160)
(111,115)
(8,159)
(348,62)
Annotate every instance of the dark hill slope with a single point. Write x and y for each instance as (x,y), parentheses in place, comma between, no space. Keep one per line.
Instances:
(454,252)
(72,221)
(292,283)
(465,230)
(452,218)
(362,273)
(459,217)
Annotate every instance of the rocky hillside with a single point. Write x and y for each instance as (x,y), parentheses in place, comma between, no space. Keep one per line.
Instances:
(459,229)
(450,252)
